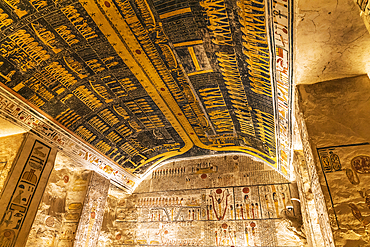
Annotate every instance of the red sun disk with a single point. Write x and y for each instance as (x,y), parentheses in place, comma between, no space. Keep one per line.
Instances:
(219,191)
(107,4)
(246,190)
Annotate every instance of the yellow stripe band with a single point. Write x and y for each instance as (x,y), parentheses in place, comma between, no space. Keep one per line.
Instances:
(176,12)
(194,58)
(200,72)
(189,43)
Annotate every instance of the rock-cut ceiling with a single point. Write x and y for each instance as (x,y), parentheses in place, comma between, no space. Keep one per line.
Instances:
(144,81)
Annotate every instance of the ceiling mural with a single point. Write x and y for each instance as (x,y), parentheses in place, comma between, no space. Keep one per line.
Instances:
(144,81)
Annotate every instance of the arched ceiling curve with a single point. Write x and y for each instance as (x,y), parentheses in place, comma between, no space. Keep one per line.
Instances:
(144,81)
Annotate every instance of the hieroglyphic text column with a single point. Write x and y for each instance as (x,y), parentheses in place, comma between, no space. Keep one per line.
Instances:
(23,190)
(93,211)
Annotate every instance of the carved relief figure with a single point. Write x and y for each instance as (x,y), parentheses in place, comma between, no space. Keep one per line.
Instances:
(361,164)
(217,199)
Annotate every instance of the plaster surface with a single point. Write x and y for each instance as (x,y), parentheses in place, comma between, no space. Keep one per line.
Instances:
(7,128)
(221,201)
(59,212)
(331,41)
(337,115)
(9,146)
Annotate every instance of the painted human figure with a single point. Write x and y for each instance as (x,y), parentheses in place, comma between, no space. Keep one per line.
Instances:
(220,212)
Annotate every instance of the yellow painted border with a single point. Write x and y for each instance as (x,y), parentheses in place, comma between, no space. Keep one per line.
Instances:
(135,58)
(174,13)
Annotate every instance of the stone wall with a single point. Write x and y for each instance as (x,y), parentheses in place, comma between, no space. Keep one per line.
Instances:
(337,117)
(220,201)
(60,210)
(9,146)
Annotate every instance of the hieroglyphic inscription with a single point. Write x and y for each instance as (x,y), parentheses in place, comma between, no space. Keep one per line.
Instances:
(79,22)
(27,43)
(15,5)
(57,71)
(139,106)
(235,87)
(216,106)
(67,35)
(46,36)
(85,134)
(16,55)
(76,67)
(283,47)
(68,117)
(266,130)
(121,111)
(4,19)
(146,13)
(87,97)
(212,97)
(25,192)
(124,130)
(219,21)
(16,110)
(222,120)
(114,137)
(103,146)
(108,117)
(98,124)
(34,99)
(255,44)
(37,87)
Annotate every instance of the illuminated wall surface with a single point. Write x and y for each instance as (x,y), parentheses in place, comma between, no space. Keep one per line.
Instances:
(225,201)
(144,81)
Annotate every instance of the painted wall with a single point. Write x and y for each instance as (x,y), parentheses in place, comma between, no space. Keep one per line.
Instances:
(220,201)
(60,210)
(337,116)
(9,146)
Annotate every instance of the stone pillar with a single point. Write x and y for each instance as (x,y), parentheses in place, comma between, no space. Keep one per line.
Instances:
(316,203)
(308,206)
(93,211)
(23,190)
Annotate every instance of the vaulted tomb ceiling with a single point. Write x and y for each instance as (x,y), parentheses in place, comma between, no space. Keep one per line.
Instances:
(144,81)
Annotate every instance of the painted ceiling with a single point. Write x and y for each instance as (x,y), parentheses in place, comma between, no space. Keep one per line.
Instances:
(146,81)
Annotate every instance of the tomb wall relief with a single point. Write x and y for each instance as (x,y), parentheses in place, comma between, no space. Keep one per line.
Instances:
(221,201)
